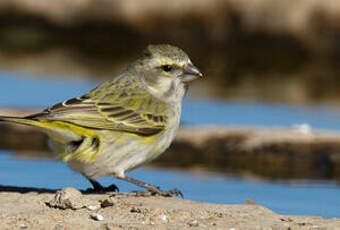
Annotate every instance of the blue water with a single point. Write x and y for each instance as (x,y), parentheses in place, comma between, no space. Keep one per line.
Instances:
(260,114)
(301,198)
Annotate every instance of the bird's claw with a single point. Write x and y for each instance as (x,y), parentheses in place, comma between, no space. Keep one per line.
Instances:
(112,188)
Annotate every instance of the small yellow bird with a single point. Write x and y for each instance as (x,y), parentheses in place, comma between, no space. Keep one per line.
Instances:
(124,122)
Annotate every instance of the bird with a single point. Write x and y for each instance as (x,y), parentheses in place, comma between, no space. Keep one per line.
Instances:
(124,122)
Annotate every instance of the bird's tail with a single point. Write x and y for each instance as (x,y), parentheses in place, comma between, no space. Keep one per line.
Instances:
(22,120)
(81,143)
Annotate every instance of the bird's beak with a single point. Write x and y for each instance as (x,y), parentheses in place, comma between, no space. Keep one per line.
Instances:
(191,73)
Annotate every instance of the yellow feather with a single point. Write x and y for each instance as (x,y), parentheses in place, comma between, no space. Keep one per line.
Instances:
(85,153)
(51,125)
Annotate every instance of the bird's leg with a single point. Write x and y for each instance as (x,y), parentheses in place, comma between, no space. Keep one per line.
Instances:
(152,189)
(98,188)
(96,185)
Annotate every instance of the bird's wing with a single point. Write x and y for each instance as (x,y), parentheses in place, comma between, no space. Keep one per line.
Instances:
(134,111)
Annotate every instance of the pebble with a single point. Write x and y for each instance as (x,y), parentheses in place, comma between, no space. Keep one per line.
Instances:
(23,226)
(107,202)
(163,217)
(97,216)
(193,223)
(67,198)
(136,210)
(93,207)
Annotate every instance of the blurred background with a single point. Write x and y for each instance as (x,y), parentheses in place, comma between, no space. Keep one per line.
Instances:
(271,72)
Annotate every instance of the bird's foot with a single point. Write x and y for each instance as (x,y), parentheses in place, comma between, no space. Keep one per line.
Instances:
(98,188)
(152,190)
(112,188)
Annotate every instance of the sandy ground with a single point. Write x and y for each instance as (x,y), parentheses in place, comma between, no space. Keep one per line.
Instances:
(27,208)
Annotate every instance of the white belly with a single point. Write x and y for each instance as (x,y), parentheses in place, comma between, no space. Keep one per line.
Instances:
(123,154)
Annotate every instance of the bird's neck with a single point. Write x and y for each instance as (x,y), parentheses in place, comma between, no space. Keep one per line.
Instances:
(169,90)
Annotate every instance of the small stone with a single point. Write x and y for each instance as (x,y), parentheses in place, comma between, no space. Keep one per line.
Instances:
(193,223)
(136,210)
(93,207)
(107,202)
(163,217)
(97,216)
(23,226)
(67,198)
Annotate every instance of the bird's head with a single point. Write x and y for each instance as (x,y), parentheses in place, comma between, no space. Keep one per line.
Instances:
(166,70)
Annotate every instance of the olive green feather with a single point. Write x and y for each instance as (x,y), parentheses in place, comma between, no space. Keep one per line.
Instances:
(121,110)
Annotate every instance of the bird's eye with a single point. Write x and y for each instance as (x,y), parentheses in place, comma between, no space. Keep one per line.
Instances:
(166,68)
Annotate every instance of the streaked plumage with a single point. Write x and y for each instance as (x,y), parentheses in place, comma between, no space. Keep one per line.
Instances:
(124,122)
